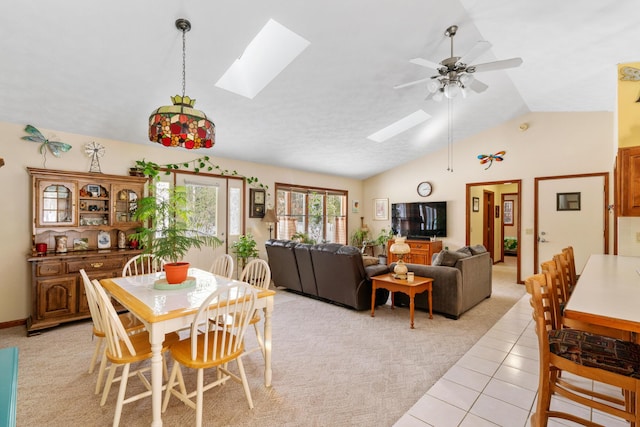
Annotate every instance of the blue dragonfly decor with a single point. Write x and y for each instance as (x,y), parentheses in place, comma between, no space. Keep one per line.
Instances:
(55,147)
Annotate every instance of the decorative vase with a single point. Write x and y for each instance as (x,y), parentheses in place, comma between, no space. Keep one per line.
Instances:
(61,244)
(176,272)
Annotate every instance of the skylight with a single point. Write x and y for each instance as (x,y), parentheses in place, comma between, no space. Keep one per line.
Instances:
(406,123)
(271,50)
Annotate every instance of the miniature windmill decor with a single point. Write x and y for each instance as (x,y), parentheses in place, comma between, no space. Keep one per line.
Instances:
(95,151)
(181,125)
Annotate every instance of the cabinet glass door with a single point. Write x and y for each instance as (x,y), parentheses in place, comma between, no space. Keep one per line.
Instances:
(125,203)
(56,203)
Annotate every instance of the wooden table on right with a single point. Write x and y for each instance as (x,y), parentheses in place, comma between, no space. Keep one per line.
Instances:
(417,286)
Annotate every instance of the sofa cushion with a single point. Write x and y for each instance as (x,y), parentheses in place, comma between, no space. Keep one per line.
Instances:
(465,250)
(449,258)
(477,249)
(370,260)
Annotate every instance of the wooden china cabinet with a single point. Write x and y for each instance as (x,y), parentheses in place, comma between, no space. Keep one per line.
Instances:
(87,210)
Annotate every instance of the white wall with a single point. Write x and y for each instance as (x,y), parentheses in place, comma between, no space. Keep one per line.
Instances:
(15,193)
(554,144)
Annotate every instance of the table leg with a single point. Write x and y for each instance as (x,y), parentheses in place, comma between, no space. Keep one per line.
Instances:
(411,307)
(430,304)
(267,342)
(156,337)
(393,299)
(373,299)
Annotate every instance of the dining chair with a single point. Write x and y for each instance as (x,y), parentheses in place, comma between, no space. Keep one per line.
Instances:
(220,343)
(257,273)
(582,354)
(222,266)
(123,350)
(564,269)
(130,323)
(142,264)
(569,254)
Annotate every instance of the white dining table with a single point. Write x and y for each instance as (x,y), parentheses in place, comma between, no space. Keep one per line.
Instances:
(163,311)
(608,293)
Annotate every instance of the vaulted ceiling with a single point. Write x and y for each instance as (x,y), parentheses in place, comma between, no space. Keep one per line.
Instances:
(100,69)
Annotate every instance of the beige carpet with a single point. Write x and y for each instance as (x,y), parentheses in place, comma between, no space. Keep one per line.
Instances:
(332,366)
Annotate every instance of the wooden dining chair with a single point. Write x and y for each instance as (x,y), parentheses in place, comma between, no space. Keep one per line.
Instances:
(564,269)
(143,264)
(221,342)
(589,356)
(257,273)
(223,266)
(123,350)
(130,323)
(570,256)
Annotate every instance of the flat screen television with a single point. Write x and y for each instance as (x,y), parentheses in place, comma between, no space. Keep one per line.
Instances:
(419,220)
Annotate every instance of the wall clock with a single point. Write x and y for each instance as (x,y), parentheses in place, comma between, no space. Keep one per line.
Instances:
(424,189)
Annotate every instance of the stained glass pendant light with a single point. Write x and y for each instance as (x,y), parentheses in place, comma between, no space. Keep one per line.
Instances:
(181,125)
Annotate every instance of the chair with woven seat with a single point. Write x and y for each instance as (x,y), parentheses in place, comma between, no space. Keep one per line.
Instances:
(257,273)
(222,266)
(583,354)
(221,342)
(130,323)
(143,264)
(123,350)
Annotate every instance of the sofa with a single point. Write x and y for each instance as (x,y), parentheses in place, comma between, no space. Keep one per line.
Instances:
(329,271)
(462,279)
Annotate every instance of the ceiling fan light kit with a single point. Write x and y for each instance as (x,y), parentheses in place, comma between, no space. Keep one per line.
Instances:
(181,125)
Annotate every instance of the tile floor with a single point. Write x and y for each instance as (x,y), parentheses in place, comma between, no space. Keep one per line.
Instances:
(495,383)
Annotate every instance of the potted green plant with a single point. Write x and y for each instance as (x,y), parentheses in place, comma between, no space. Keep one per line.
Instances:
(382,240)
(244,248)
(168,233)
(301,237)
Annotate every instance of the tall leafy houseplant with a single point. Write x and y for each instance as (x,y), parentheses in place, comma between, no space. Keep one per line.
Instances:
(245,248)
(167,233)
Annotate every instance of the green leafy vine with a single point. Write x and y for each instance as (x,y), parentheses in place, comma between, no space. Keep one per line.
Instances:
(201,164)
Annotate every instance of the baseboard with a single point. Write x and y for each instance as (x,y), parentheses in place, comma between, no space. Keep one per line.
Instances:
(11,324)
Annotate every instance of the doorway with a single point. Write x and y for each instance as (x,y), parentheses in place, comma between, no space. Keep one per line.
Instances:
(489,215)
(571,210)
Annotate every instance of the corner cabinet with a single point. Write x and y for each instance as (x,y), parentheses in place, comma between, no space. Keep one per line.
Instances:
(421,251)
(77,206)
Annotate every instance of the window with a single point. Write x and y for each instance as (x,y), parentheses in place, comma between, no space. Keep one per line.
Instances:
(320,213)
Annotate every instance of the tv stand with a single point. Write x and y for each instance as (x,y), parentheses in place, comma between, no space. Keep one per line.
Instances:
(421,251)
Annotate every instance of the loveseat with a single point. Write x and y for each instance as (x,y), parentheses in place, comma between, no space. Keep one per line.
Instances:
(328,271)
(462,279)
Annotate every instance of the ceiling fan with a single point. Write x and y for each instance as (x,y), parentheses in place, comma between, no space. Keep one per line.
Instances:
(454,74)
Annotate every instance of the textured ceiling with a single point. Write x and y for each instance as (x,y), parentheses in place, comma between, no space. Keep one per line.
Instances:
(100,68)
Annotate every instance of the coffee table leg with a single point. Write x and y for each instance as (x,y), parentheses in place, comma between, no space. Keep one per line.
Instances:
(373,299)
(411,308)
(430,305)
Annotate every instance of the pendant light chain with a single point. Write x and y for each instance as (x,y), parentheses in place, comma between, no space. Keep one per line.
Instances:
(184,60)
(450,136)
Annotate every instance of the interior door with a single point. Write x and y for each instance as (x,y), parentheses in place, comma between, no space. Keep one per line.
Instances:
(571,211)
(488,235)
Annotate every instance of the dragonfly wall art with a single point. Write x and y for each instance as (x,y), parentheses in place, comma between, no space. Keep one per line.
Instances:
(55,147)
(489,158)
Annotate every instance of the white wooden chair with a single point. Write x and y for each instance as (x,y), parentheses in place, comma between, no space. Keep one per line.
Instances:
(143,264)
(130,323)
(123,350)
(222,342)
(223,266)
(257,273)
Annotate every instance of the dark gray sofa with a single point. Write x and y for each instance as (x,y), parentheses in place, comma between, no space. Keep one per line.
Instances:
(328,271)
(456,288)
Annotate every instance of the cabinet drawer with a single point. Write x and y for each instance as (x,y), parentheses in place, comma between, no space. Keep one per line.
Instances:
(94,264)
(49,269)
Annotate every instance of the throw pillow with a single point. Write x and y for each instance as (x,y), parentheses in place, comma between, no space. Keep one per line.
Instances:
(449,258)
(465,250)
(477,249)
(369,260)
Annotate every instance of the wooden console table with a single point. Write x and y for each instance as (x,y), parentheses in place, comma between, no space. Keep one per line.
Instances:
(387,281)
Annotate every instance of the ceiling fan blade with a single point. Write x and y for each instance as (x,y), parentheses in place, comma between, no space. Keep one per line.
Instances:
(478,49)
(415,82)
(426,63)
(477,86)
(495,65)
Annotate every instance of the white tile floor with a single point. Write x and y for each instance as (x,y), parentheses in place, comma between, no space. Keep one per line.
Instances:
(495,383)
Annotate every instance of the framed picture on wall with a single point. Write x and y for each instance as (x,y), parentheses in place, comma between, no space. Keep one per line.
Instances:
(256,203)
(507,215)
(381,209)
(476,204)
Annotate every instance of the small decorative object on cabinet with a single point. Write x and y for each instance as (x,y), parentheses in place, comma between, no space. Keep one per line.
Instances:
(77,205)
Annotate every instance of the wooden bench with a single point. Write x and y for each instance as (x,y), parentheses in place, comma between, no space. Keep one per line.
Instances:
(8,386)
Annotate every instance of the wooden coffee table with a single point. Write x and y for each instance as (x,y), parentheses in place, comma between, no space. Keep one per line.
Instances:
(387,281)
